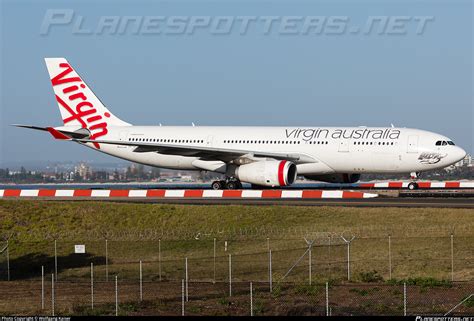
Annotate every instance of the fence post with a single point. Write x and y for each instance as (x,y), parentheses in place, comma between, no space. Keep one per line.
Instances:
(389,257)
(268,243)
(159,258)
(230,275)
(8,260)
(327,299)
(182,297)
(116,296)
(348,242)
(92,286)
(214,279)
(251,300)
(309,262)
(452,257)
(404,299)
(141,282)
(329,256)
(42,287)
(348,261)
(106,261)
(55,260)
(186,278)
(270,274)
(52,294)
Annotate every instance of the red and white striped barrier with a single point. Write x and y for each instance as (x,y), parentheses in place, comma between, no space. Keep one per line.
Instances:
(188,193)
(421,184)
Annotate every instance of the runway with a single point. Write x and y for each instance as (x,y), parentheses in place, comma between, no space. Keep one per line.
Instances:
(389,197)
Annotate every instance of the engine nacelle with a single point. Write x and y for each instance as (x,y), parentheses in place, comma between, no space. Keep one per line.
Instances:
(335,178)
(267,173)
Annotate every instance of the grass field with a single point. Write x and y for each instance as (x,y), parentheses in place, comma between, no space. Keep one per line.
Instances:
(420,240)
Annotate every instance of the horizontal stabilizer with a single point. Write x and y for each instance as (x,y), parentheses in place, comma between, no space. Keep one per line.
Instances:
(57,134)
(60,133)
(30,127)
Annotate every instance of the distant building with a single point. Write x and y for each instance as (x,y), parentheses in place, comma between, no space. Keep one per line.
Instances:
(83,171)
(466,162)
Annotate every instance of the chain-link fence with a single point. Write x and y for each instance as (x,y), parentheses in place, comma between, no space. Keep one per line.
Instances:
(127,297)
(385,275)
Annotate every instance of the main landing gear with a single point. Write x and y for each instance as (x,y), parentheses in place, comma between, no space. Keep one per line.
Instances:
(228,183)
(413,185)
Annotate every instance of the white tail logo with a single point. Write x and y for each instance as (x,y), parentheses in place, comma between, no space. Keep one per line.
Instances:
(77,103)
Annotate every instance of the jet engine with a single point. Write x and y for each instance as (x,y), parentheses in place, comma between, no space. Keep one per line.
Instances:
(267,173)
(335,178)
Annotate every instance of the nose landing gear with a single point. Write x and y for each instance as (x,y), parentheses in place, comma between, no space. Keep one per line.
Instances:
(414,185)
(228,183)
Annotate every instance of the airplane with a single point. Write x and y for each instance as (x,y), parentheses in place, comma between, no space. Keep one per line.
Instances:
(262,156)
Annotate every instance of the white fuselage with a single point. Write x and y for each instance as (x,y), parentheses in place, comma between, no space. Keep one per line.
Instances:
(275,152)
(326,149)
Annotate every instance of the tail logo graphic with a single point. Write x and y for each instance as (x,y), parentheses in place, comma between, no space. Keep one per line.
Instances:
(76,103)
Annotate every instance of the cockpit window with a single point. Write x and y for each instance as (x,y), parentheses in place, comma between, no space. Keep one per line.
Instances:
(444,143)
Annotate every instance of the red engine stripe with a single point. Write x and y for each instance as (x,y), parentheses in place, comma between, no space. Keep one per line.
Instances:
(281,174)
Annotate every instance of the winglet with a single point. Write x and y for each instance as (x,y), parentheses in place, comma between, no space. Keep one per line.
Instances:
(57,134)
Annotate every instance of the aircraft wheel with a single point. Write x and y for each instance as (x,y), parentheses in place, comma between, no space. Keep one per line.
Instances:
(216,185)
(233,185)
(413,186)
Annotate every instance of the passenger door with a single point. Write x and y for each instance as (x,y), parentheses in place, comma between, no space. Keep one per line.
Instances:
(344,145)
(209,141)
(412,144)
(123,138)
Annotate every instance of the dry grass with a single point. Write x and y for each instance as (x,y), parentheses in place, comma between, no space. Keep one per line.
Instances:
(420,239)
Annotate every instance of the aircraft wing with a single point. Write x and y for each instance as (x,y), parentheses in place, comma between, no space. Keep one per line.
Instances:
(206,153)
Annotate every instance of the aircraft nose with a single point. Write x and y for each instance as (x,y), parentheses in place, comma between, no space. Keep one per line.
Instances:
(458,154)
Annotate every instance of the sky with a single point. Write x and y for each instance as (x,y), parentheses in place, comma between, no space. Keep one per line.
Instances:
(258,77)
